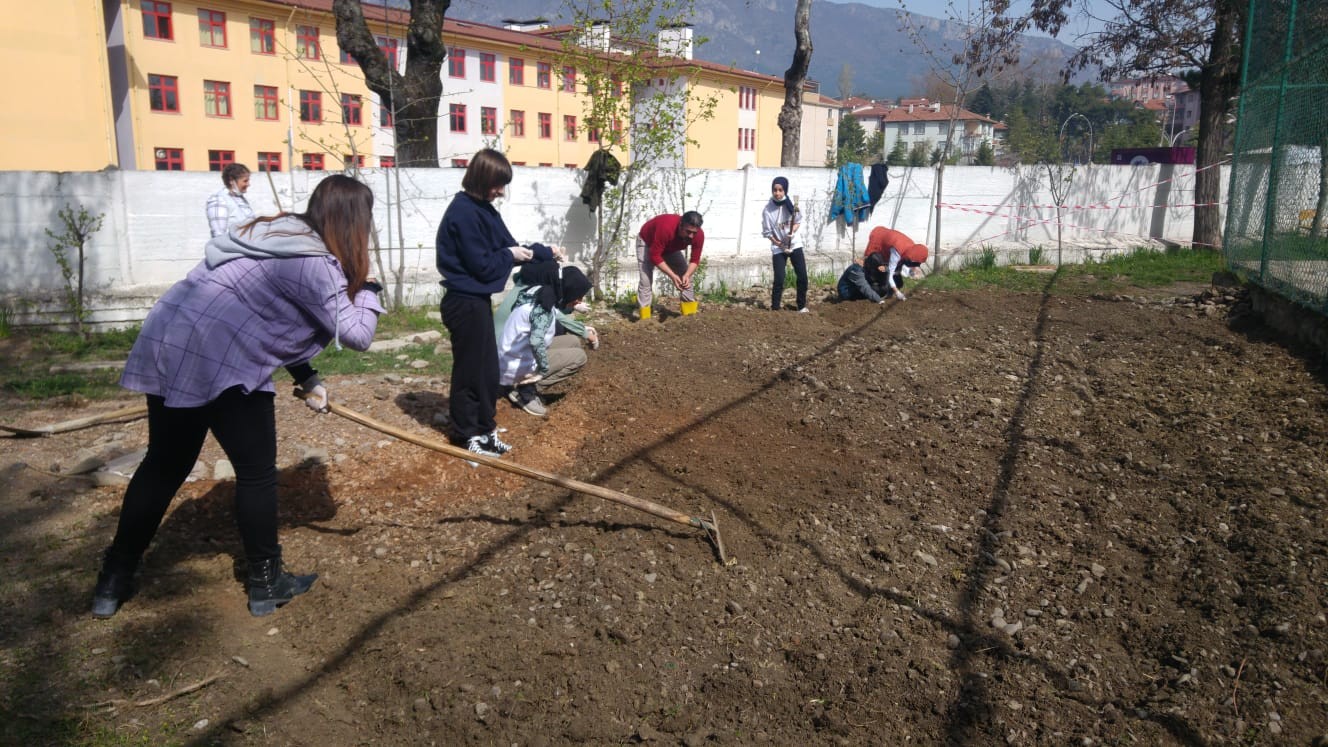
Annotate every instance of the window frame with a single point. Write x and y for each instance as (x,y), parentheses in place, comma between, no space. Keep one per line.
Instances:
(167,88)
(488,67)
(456,118)
(262,32)
(518,122)
(387,162)
(265,160)
(545,126)
(311,107)
(220,159)
(261,98)
(168,157)
(303,38)
(386,119)
(212,26)
(569,79)
(219,97)
(312,158)
(159,18)
(488,120)
(569,128)
(352,109)
(456,62)
(390,48)
(543,75)
(516,71)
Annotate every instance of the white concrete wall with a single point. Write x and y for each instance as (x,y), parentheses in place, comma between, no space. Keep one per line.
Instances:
(155,229)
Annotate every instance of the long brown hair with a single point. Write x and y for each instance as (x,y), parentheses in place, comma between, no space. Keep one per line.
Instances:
(341,213)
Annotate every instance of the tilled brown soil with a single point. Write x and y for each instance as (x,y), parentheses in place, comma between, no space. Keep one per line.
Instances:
(971,518)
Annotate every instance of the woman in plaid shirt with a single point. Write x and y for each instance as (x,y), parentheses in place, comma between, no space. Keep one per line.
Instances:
(272,293)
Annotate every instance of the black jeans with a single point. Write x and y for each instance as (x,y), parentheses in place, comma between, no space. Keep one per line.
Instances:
(245,426)
(473,393)
(799,261)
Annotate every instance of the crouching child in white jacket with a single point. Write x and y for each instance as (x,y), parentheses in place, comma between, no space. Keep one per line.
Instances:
(529,361)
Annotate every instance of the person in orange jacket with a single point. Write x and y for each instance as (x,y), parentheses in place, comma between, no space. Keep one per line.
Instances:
(889,258)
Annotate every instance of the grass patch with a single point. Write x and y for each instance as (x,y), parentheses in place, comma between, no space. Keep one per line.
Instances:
(1141,268)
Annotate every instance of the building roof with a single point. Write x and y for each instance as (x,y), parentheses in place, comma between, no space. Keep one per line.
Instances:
(941,113)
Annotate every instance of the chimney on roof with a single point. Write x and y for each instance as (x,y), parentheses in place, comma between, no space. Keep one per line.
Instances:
(910,108)
(534,24)
(676,41)
(936,106)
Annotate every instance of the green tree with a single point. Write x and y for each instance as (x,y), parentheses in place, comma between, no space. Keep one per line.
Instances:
(919,154)
(985,155)
(898,155)
(78,228)
(413,97)
(1151,37)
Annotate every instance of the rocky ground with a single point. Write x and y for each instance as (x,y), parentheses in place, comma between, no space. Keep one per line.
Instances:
(973,518)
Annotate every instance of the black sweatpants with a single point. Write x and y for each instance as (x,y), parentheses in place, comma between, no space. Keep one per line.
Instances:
(473,394)
(245,426)
(799,261)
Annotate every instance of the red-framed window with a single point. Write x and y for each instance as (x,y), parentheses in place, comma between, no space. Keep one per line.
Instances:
(543,74)
(570,166)
(387,162)
(311,106)
(542,163)
(269,160)
(518,123)
(345,58)
(220,159)
(460,163)
(164,93)
(385,118)
(746,97)
(456,117)
(592,134)
(157,25)
(262,36)
(488,120)
(617,87)
(212,28)
(348,161)
(516,71)
(389,47)
(488,64)
(518,163)
(312,161)
(456,62)
(746,138)
(352,109)
(569,127)
(569,79)
(545,125)
(216,98)
(265,103)
(168,159)
(306,43)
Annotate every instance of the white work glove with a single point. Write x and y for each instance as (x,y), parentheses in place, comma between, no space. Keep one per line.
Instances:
(592,337)
(900,295)
(315,394)
(520,254)
(582,308)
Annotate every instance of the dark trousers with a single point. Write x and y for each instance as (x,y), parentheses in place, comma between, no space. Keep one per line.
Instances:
(245,426)
(474,387)
(799,261)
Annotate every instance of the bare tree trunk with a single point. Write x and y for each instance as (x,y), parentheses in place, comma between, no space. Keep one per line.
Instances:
(1321,206)
(790,114)
(1219,81)
(413,96)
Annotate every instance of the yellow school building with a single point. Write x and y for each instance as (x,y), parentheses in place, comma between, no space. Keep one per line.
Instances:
(145,84)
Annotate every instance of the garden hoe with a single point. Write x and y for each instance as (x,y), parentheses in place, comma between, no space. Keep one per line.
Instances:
(128,413)
(709,526)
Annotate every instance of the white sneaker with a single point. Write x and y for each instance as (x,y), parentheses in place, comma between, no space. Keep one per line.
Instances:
(804,310)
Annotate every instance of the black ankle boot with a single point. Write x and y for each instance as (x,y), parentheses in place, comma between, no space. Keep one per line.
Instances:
(271,587)
(115,585)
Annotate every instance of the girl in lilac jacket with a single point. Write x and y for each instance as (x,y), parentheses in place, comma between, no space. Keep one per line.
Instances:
(272,293)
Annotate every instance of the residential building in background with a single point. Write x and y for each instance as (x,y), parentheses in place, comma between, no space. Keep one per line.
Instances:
(146,84)
(914,121)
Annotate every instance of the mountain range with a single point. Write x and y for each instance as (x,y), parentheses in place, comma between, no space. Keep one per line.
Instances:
(883,61)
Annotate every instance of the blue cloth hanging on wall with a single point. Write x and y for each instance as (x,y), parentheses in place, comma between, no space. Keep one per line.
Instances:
(850,200)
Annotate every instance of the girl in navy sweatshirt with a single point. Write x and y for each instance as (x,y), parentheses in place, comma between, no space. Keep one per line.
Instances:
(476,253)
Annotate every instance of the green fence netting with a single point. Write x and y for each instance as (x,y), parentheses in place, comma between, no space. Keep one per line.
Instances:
(1277,208)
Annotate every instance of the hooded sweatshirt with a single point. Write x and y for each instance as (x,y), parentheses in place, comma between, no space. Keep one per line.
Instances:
(529,325)
(271,297)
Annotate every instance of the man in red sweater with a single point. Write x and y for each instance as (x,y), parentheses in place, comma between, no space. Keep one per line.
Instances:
(661,244)
(889,258)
